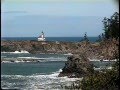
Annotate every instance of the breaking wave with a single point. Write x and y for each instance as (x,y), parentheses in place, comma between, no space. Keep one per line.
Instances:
(36,81)
(31,59)
(18,52)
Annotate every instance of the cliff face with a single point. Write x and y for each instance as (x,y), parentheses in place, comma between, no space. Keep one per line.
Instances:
(103,50)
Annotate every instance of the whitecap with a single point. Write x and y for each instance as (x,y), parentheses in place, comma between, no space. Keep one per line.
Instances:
(102,60)
(68,54)
(5,61)
(18,52)
(39,81)
(45,59)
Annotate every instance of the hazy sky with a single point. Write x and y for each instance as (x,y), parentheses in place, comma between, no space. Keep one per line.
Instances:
(57,18)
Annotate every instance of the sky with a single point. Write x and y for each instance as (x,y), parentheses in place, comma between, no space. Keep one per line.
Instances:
(56,18)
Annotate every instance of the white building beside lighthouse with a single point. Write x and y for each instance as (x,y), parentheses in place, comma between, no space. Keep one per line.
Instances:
(41,37)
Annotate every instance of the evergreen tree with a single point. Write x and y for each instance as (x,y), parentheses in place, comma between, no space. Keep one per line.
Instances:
(99,38)
(111,26)
(85,37)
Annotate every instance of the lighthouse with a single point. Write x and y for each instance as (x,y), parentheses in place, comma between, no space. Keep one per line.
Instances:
(41,37)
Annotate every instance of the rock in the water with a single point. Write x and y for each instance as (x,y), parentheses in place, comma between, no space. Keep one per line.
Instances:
(77,66)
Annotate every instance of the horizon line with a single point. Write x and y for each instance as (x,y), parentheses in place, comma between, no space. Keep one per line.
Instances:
(50,36)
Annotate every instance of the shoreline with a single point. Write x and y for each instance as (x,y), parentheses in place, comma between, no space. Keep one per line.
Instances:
(35,59)
(97,50)
(93,52)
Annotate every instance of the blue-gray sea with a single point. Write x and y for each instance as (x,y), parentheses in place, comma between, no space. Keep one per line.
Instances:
(40,74)
(64,39)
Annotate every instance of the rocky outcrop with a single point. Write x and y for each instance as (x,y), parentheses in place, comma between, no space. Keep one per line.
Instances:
(77,66)
(98,50)
(38,47)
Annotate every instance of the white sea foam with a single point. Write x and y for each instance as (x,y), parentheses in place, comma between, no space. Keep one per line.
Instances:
(30,58)
(97,68)
(100,68)
(34,82)
(94,59)
(5,52)
(43,59)
(102,60)
(17,52)
(5,61)
(69,54)
(22,61)
(109,67)
(110,60)
(17,61)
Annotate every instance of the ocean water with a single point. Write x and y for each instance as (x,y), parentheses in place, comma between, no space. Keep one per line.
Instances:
(32,75)
(64,39)
(16,73)
(27,71)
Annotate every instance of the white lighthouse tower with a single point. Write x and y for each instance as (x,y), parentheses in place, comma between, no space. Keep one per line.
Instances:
(41,37)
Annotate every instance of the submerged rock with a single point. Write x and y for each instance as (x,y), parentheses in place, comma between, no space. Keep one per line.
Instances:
(77,66)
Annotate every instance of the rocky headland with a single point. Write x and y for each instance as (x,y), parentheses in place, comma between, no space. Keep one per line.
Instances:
(98,50)
(77,65)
